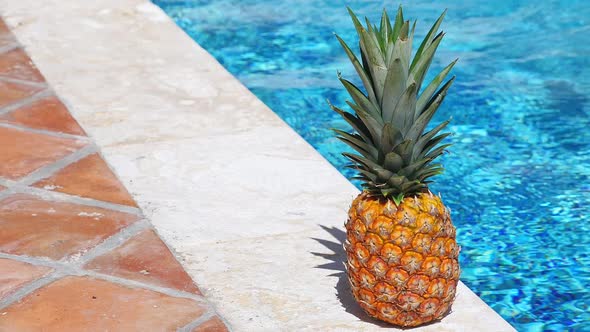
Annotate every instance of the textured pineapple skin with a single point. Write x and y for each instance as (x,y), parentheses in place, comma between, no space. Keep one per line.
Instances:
(402,261)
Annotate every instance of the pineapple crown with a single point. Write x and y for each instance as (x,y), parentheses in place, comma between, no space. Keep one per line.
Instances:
(395,154)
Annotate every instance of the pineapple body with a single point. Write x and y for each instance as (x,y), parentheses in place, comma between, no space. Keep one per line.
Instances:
(401,247)
(402,259)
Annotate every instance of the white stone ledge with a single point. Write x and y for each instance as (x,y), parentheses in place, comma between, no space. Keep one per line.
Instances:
(232,189)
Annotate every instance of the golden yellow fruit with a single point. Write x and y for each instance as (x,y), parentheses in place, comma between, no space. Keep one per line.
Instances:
(402,260)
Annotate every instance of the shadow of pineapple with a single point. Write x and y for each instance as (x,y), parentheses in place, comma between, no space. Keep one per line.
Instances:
(336,263)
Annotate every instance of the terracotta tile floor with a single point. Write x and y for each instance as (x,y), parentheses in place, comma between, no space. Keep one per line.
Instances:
(75,252)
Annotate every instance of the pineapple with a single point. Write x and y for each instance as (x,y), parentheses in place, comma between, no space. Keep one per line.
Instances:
(402,254)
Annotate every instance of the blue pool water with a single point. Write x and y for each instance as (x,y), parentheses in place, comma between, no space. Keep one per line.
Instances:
(518,177)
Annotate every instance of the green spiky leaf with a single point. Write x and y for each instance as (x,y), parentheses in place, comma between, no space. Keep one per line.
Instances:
(395,154)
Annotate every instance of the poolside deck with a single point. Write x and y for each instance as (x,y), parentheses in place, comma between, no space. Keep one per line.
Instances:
(252,213)
(75,251)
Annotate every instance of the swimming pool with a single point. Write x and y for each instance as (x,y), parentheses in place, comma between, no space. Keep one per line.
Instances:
(518,177)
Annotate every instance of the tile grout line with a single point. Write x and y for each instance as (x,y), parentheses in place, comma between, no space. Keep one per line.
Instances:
(224,321)
(64,270)
(37,261)
(138,284)
(213,308)
(7,182)
(200,320)
(23,82)
(67,198)
(50,169)
(112,242)
(12,46)
(26,101)
(174,253)
(5,193)
(43,131)
(27,289)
